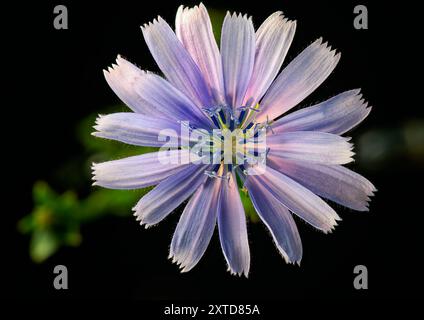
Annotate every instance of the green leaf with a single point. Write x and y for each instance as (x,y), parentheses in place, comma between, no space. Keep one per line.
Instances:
(43,245)
(56,218)
(42,193)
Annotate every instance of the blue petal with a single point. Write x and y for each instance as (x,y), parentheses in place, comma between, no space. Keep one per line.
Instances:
(150,94)
(299,79)
(124,77)
(171,102)
(295,197)
(139,171)
(238,55)
(194,29)
(196,226)
(273,40)
(279,222)
(138,129)
(175,62)
(232,228)
(336,115)
(335,183)
(169,194)
(319,147)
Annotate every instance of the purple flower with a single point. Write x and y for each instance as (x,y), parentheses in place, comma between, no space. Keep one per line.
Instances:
(236,87)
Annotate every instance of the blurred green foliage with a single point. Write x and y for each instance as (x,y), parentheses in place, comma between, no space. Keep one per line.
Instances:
(380,148)
(56,219)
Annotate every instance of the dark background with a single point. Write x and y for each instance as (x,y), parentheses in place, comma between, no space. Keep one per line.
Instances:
(58,80)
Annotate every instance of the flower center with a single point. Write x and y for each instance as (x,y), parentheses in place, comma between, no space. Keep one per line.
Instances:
(238,141)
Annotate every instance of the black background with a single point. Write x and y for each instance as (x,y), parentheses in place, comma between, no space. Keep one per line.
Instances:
(58,79)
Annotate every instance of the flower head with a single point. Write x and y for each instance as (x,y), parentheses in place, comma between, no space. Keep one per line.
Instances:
(221,118)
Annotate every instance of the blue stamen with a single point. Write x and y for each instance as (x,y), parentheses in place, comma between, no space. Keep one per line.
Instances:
(243,169)
(250,125)
(241,115)
(215,120)
(232,124)
(222,115)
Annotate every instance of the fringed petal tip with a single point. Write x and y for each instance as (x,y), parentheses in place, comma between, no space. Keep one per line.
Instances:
(99,118)
(240,273)
(113,68)
(184,266)
(119,61)
(362,102)
(317,147)
(121,64)
(180,262)
(157,21)
(94,174)
(294,258)
(97,125)
(336,115)
(124,69)
(359,96)
(277,15)
(94,168)
(326,47)
(194,9)
(370,192)
(139,217)
(146,225)
(280,19)
(280,22)
(331,227)
(136,212)
(238,15)
(291,261)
